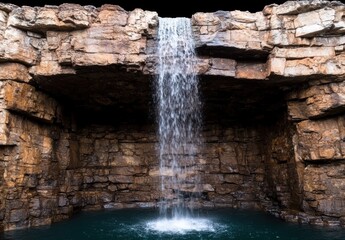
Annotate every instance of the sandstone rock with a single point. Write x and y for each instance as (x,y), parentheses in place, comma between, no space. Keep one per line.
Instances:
(7,7)
(205,19)
(18,215)
(21,49)
(338,27)
(4,131)
(232,24)
(222,67)
(207,188)
(233,178)
(244,36)
(226,189)
(281,37)
(100,179)
(75,15)
(101,44)
(128,171)
(216,39)
(285,22)
(262,22)
(95,51)
(245,17)
(276,66)
(50,61)
(314,23)
(296,7)
(304,52)
(320,140)
(24,98)
(310,104)
(276,22)
(325,189)
(111,14)
(315,66)
(120,179)
(14,71)
(62,201)
(141,23)
(251,71)
(297,110)
(65,17)
(3,22)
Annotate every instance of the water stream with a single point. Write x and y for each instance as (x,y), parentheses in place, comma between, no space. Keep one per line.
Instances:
(179,119)
(179,116)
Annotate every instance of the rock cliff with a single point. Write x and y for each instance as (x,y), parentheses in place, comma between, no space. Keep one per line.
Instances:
(76,106)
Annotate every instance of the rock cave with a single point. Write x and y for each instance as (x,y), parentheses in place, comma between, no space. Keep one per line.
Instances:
(77,128)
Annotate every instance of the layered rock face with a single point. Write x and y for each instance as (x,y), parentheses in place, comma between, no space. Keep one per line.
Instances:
(77,110)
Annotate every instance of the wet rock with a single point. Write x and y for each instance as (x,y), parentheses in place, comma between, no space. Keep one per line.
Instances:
(18,215)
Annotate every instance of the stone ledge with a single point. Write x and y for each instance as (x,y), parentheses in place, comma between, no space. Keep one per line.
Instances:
(317,101)
(41,19)
(25,99)
(18,46)
(14,72)
(109,35)
(320,140)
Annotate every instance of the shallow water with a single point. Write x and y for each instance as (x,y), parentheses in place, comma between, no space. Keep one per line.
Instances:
(142,224)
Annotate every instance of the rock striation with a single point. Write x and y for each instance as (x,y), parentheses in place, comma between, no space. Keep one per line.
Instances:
(76,99)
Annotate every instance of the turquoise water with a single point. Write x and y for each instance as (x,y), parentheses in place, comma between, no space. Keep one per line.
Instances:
(137,224)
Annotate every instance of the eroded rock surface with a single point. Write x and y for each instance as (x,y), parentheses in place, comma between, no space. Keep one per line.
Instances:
(76,110)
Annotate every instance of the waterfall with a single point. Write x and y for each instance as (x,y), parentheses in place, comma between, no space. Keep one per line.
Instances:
(179,117)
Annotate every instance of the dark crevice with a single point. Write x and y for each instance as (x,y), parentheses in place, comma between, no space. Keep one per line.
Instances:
(233,53)
(316,162)
(228,101)
(29,116)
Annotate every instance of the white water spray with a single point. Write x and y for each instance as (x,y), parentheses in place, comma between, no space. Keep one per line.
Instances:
(179,117)
(179,121)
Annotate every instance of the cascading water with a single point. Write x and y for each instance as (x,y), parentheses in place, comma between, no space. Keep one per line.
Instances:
(179,116)
(179,121)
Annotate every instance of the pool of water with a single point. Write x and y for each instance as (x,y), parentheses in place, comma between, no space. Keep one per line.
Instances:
(145,224)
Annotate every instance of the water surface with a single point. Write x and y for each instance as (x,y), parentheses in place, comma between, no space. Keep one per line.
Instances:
(140,224)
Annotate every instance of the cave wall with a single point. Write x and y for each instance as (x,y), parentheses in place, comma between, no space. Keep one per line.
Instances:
(274,102)
(35,152)
(122,162)
(54,171)
(317,114)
